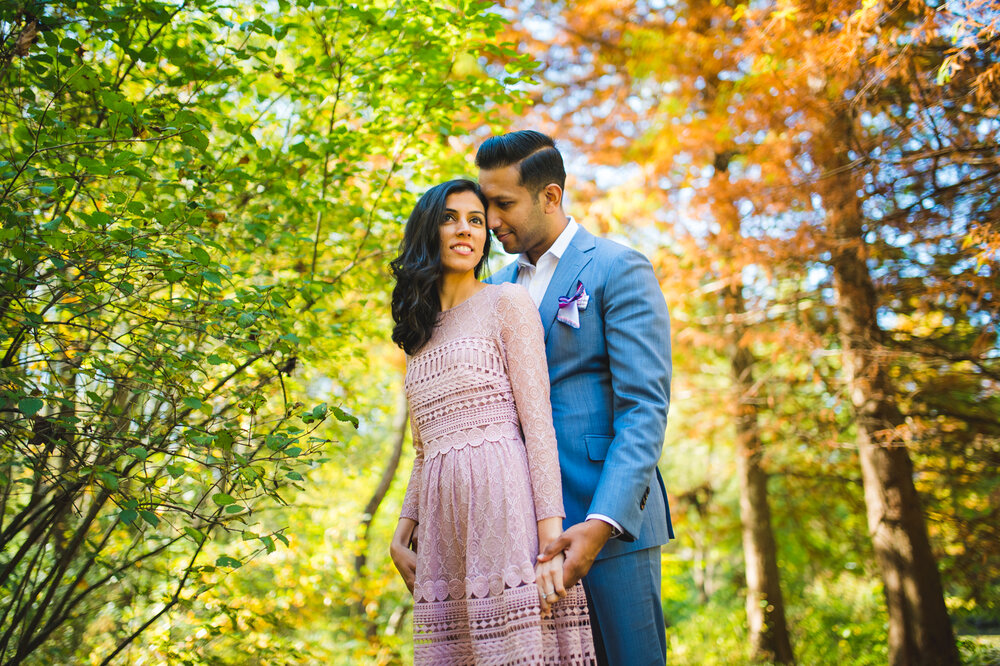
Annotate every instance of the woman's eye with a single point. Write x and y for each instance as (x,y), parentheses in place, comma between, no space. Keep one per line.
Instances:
(448,217)
(476,220)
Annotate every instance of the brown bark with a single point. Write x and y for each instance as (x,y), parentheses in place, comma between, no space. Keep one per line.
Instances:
(920,631)
(400,428)
(765,604)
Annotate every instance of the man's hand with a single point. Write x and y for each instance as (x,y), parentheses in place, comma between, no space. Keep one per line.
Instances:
(581,543)
(402,550)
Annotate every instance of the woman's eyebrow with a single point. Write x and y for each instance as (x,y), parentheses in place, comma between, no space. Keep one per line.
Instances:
(452,210)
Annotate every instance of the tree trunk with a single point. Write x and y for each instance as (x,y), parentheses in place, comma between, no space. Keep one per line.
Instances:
(765,604)
(920,631)
(400,428)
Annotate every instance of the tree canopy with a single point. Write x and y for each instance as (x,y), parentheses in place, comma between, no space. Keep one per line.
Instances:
(204,446)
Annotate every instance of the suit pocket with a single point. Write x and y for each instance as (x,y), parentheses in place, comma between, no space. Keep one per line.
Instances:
(597,446)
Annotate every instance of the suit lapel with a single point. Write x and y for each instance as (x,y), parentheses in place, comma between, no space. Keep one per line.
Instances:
(574,259)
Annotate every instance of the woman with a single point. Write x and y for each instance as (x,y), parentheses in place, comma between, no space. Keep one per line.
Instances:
(482,498)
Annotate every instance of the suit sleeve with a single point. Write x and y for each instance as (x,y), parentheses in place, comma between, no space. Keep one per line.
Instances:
(637,333)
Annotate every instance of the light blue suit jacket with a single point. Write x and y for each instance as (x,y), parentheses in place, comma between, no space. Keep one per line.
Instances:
(610,384)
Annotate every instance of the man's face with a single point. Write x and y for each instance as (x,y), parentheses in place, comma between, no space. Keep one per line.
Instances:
(516,217)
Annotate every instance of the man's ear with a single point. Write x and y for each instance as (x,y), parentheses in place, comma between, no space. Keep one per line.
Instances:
(551,198)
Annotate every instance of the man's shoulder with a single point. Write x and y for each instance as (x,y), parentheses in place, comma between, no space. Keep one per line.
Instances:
(613,252)
(505,274)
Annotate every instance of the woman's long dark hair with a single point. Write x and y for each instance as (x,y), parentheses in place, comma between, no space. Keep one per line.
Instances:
(415,302)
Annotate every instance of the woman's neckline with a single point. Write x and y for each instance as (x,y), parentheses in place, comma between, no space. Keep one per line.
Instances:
(485,287)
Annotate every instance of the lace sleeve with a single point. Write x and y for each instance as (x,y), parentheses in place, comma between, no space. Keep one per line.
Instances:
(524,346)
(411,502)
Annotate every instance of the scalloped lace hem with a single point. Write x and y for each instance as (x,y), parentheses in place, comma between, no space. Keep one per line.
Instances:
(475,587)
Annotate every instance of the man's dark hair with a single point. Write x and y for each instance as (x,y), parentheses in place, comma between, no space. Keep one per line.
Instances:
(539,162)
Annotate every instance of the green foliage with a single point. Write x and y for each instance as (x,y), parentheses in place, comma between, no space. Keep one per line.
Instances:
(196,201)
(836,620)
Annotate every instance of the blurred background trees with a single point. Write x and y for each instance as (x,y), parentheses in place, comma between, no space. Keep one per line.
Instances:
(202,444)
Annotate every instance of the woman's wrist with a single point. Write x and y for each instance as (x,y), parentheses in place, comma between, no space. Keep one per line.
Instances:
(549,530)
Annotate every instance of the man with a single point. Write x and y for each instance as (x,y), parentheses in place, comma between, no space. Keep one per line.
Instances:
(607,341)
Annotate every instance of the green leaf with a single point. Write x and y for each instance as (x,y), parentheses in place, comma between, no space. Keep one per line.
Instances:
(294,476)
(30,406)
(222,499)
(195,139)
(201,256)
(128,516)
(193,403)
(226,561)
(195,534)
(175,471)
(341,415)
(246,319)
(282,538)
(318,413)
(138,452)
(150,518)
(235,508)
(110,480)
(224,439)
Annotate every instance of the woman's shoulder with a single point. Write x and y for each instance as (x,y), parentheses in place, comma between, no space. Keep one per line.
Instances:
(510,293)
(513,306)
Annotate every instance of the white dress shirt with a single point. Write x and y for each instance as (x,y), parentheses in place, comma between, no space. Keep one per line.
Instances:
(536,278)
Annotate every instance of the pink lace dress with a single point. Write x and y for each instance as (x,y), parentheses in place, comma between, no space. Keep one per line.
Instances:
(478,488)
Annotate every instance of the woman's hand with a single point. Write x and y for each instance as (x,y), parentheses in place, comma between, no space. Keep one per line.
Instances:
(402,550)
(549,574)
(549,577)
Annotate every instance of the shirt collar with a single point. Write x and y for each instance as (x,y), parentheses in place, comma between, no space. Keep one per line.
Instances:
(558,247)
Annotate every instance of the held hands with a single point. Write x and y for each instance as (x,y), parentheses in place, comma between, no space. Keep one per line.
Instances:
(581,543)
(402,549)
(549,577)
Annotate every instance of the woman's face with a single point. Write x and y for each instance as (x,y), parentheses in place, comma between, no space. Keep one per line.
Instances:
(463,232)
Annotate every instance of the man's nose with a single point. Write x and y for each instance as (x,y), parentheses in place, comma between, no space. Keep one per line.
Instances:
(492,219)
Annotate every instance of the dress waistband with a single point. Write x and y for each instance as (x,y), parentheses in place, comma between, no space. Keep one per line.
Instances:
(464,414)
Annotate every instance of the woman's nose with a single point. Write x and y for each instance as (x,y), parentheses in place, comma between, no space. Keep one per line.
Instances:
(463,226)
